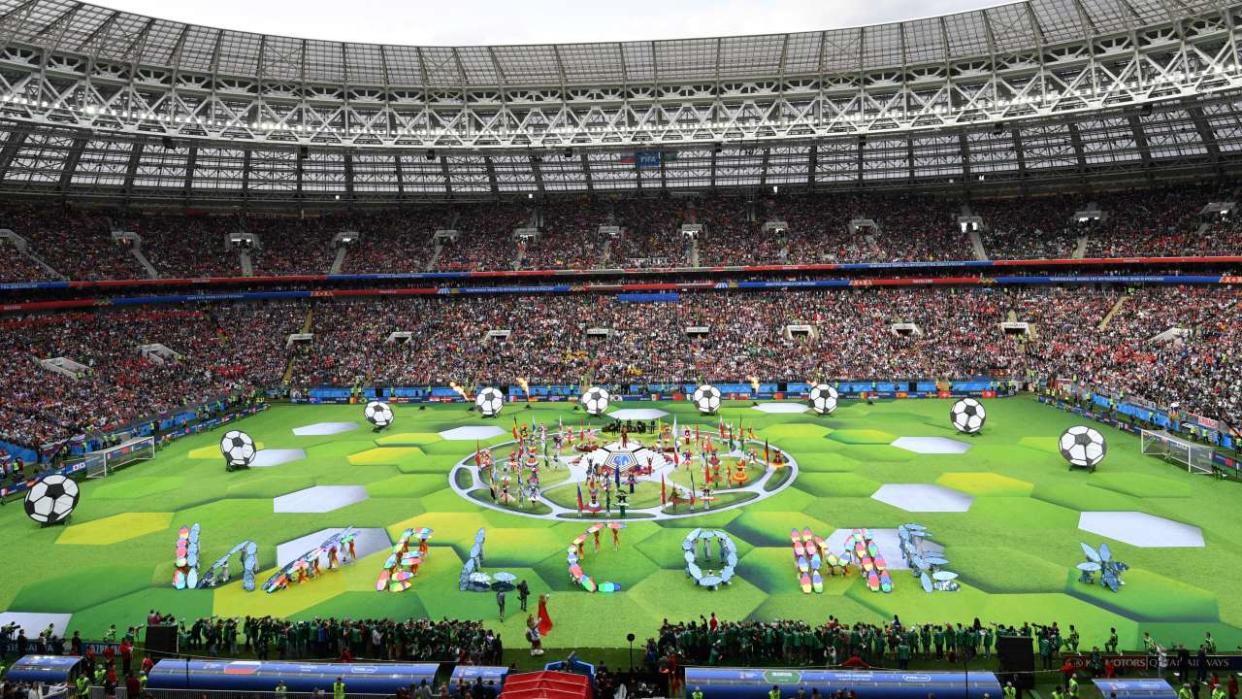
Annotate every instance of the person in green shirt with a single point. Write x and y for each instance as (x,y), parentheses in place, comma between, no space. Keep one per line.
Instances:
(281,689)
(1073,687)
(83,686)
(1057,693)
(1010,691)
(696,694)
(903,655)
(774,692)
(1045,652)
(1183,692)
(1111,646)
(338,689)
(1073,639)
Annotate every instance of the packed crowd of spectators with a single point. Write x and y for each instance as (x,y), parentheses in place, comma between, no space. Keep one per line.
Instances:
(954,333)
(222,349)
(958,333)
(569,236)
(485,238)
(651,234)
(77,242)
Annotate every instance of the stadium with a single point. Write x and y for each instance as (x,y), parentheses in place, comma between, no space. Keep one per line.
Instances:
(890,360)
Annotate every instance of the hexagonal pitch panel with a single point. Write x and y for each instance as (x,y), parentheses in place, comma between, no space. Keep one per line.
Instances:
(115,529)
(637,414)
(931,445)
(471,432)
(367,541)
(267,458)
(889,543)
(320,429)
(923,497)
(1141,529)
(781,408)
(320,498)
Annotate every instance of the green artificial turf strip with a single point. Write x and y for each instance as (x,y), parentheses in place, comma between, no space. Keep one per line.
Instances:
(1014,549)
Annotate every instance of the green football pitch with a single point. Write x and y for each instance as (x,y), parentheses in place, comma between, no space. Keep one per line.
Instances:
(1014,540)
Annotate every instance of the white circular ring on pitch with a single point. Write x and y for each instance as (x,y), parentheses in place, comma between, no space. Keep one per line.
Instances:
(640,514)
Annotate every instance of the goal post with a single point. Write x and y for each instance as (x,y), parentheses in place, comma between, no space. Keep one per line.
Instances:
(100,462)
(1196,458)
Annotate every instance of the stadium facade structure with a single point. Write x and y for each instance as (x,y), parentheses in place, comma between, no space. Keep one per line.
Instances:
(101,103)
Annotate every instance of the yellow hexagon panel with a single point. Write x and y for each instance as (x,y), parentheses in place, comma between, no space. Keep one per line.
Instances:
(981,483)
(384,456)
(233,601)
(408,439)
(115,529)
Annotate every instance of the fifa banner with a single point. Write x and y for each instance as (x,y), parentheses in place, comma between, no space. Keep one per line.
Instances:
(753,390)
(651,159)
(1140,662)
(779,285)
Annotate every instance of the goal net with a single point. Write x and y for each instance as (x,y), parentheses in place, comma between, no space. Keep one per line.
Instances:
(1197,458)
(100,462)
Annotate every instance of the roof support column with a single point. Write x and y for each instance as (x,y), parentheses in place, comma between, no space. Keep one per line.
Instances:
(491,175)
(299,168)
(1020,156)
(910,156)
(715,152)
(246,173)
(811,165)
(349,175)
(191,162)
(448,180)
(135,156)
(586,171)
(14,144)
(1140,139)
(763,167)
(1144,147)
(396,162)
(862,145)
(1076,142)
(71,162)
(964,144)
(536,168)
(1206,134)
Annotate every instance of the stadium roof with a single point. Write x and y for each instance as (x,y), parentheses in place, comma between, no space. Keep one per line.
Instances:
(102,103)
(110,35)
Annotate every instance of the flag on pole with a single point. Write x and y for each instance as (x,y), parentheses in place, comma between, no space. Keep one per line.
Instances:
(515,429)
(580,498)
(692,489)
(766,458)
(663,497)
(676,435)
(478,457)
